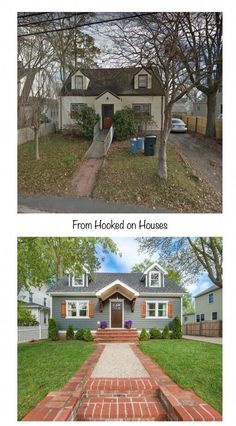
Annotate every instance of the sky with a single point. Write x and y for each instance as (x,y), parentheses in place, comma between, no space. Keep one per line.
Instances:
(130,256)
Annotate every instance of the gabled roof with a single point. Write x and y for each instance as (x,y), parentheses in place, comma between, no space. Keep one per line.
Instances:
(102,279)
(153,266)
(119,81)
(34,305)
(117,286)
(208,290)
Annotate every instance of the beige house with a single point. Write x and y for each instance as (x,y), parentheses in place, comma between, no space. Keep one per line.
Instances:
(108,90)
(208,304)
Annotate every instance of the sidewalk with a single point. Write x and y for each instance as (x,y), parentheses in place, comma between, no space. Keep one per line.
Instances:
(216,340)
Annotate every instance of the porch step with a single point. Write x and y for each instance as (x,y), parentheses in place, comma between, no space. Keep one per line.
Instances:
(121,399)
(116,335)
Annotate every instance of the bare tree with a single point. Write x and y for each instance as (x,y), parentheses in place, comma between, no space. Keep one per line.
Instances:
(200,49)
(154,41)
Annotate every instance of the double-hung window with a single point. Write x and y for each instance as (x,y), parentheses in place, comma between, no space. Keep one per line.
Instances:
(74,108)
(78,82)
(78,281)
(142,108)
(157,309)
(210,297)
(77,309)
(214,316)
(142,81)
(154,279)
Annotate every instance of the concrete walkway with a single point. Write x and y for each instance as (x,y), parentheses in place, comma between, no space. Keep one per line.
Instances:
(84,179)
(216,340)
(96,149)
(118,361)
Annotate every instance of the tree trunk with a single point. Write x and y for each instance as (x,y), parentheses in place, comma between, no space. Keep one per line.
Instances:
(211,115)
(162,156)
(36,140)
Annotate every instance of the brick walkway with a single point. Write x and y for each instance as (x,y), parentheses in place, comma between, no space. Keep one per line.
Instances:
(155,397)
(84,180)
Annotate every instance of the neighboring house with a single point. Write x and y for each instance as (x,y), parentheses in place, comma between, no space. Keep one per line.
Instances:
(32,83)
(149,299)
(109,90)
(200,107)
(38,302)
(189,318)
(182,108)
(208,304)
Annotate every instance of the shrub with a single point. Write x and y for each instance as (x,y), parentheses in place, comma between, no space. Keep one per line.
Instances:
(155,333)
(52,329)
(87,336)
(86,118)
(176,328)
(166,332)
(144,335)
(79,335)
(70,332)
(124,123)
(24,316)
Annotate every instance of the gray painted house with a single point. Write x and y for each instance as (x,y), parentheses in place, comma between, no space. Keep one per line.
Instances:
(208,304)
(149,299)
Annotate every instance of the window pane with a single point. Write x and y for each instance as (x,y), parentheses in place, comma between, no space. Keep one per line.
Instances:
(202,317)
(142,81)
(151,309)
(198,318)
(74,108)
(78,282)
(211,298)
(162,309)
(72,309)
(214,315)
(155,279)
(78,82)
(83,309)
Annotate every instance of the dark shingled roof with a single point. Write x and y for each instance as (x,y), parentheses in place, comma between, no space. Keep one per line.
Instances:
(119,81)
(208,290)
(102,279)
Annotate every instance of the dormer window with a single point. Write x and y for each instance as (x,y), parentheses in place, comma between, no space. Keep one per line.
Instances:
(154,279)
(78,82)
(142,81)
(78,281)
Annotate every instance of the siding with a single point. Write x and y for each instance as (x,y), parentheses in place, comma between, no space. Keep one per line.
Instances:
(203,307)
(92,323)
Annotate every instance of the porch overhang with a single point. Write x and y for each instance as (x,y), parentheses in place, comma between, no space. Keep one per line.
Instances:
(117,287)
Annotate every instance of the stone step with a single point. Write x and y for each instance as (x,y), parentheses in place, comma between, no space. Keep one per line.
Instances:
(121,408)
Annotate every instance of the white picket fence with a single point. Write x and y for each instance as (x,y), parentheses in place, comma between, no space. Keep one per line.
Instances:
(37,332)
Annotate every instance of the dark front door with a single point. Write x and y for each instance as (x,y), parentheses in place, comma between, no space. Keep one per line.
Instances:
(107,114)
(116,314)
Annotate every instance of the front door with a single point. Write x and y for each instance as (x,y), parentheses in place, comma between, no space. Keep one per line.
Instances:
(107,114)
(116,314)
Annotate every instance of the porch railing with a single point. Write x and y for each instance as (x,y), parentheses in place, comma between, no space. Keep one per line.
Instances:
(108,140)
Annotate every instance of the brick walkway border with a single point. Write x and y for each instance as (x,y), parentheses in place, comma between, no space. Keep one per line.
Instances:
(62,405)
(180,404)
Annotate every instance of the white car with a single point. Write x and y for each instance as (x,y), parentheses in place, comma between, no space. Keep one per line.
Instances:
(178,125)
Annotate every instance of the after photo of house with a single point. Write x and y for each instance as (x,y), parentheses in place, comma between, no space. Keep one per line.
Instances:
(100,107)
(120,329)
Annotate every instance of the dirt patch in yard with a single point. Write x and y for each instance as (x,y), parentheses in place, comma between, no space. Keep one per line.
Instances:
(132,179)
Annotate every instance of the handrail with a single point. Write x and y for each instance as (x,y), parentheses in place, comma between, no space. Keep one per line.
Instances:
(108,139)
(96,130)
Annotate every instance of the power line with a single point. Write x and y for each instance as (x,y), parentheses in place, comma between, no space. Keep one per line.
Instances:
(32,14)
(87,25)
(50,20)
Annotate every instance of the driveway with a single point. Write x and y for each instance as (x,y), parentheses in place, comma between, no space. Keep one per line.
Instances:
(216,340)
(203,155)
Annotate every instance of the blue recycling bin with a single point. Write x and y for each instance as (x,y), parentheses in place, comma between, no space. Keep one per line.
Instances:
(141,143)
(134,145)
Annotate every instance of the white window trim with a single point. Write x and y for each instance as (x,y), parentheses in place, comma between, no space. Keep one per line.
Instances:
(156,308)
(210,303)
(77,309)
(150,279)
(78,285)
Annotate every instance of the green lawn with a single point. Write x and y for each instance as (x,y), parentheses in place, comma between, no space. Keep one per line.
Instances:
(132,179)
(60,157)
(45,366)
(190,364)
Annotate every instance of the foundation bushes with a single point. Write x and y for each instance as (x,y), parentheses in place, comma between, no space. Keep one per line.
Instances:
(84,334)
(166,332)
(70,332)
(155,333)
(52,329)
(144,335)
(176,328)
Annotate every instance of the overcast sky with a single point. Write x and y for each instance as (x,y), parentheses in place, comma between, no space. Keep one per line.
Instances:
(130,256)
